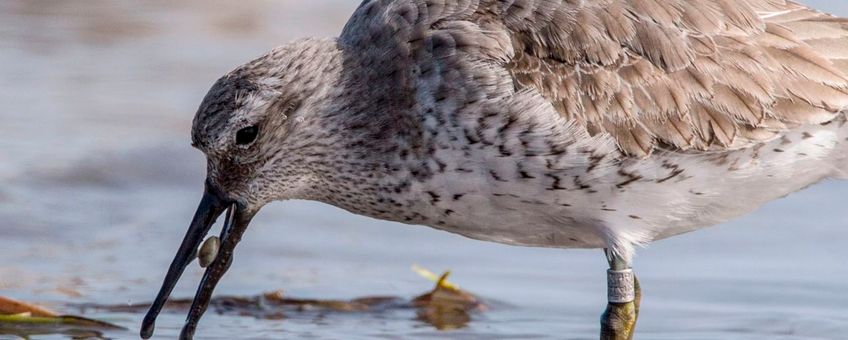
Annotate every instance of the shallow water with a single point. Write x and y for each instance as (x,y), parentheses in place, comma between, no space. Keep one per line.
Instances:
(98,183)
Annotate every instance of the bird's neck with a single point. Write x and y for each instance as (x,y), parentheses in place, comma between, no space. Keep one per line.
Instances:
(364,134)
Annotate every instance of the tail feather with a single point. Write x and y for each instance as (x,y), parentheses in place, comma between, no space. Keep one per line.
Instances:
(840,170)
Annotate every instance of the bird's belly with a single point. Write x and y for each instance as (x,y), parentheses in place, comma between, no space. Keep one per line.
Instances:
(715,189)
(639,201)
(517,221)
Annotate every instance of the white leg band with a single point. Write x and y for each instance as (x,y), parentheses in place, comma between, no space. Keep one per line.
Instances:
(620,286)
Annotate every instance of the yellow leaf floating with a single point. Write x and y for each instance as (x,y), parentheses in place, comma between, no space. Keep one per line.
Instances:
(16,307)
(446,306)
(24,319)
(440,280)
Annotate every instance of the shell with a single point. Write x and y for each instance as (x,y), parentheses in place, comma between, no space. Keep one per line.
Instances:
(208,251)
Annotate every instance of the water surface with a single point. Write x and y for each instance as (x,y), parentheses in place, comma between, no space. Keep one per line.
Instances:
(98,183)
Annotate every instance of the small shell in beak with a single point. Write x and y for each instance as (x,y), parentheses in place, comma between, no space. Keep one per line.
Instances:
(208,251)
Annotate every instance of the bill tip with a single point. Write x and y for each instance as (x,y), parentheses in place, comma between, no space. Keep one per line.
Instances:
(147,329)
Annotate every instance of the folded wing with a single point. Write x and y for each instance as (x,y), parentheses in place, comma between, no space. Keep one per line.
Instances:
(671,74)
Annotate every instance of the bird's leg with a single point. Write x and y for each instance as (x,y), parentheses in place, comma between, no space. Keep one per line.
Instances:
(624,295)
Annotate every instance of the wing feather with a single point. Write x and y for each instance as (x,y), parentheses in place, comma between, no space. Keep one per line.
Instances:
(681,74)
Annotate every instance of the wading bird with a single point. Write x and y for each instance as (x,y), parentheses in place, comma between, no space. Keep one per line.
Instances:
(549,123)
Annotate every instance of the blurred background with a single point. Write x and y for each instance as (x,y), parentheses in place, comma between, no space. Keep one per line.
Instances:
(98,183)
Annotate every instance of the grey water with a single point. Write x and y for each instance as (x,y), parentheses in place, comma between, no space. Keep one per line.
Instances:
(98,183)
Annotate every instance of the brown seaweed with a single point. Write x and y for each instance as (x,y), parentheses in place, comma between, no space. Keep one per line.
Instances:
(25,319)
(444,307)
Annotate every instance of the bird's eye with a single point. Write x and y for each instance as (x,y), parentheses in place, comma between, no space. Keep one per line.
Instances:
(247,135)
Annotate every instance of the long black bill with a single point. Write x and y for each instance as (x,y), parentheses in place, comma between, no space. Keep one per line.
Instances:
(211,206)
(230,236)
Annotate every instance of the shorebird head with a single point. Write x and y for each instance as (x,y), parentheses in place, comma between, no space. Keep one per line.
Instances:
(255,128)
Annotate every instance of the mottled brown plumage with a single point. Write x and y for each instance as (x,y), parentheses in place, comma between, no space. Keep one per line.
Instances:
(672,74)
(547,123)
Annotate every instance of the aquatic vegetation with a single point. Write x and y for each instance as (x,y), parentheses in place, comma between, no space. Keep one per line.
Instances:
(25,319)
(446,306)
